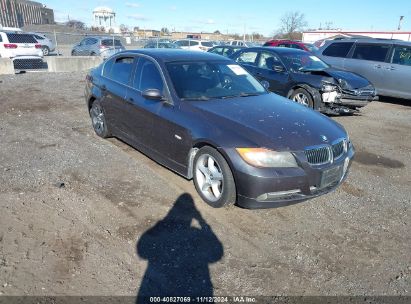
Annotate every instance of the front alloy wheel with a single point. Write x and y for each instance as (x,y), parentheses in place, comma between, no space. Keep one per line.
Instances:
(302,97)
(213,178)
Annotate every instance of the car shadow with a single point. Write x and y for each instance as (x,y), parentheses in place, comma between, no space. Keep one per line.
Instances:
(397,101)
(179,249)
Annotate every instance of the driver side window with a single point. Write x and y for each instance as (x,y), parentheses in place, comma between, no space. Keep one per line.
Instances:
(268,60)
(147,76)
(247,58)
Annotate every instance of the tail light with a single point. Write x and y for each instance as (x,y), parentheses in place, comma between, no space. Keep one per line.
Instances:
(10,46)
(103,46)
(38,46)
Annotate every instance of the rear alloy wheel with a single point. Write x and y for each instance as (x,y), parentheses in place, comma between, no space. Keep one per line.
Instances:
(213,178)
(98,120)
(46,50)
(302,97)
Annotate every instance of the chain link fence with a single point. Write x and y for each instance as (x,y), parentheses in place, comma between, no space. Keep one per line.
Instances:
(55,43)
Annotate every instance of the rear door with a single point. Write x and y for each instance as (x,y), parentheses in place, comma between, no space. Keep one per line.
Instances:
(367,60)
(398,72)
(115,80)
(80,48)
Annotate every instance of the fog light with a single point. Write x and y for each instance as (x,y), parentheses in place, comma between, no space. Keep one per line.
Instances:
(278,195)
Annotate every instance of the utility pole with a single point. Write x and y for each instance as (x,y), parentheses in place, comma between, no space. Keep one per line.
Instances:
(400,22)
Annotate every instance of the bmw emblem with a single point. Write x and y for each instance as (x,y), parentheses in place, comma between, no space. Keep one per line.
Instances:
(324,138)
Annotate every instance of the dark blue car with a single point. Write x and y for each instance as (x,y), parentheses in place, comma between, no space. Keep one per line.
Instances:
(206,118)
(306,79)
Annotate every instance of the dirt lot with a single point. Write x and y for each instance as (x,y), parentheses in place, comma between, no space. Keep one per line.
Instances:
(83,215)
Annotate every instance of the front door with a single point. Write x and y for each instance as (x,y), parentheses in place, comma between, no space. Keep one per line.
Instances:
(156,122)
(278,80)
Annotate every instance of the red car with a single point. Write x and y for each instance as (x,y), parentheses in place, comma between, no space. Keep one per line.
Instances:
(291,44)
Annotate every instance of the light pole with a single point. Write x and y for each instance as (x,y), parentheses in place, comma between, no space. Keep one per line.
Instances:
(400,22)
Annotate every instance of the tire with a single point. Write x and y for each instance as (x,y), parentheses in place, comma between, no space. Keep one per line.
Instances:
(46,50)
(213,178)
(302,97)
(73,53)
(93,54)
(98,120)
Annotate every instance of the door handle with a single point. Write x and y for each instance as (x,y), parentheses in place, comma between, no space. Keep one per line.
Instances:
(130,100)
(103,88)
(377,66)
(391,68)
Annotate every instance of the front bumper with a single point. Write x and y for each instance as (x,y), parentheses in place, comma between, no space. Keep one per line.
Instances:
(278,187)
(351,101)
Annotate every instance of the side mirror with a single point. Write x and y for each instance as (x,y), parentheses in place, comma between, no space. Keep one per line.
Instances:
(265,84)
(152,94)
(278,68)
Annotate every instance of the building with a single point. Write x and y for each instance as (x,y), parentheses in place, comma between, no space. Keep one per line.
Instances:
(18,13)
(202,35)
(313,36)
(104,17)
(146,33)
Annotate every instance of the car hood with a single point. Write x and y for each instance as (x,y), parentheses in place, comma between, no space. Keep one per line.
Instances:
(269,121)
(347,79)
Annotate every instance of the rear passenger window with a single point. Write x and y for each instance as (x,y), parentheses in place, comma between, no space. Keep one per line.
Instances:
(338,49)
(373,52)
(21,38)
(121,69)
(193,43)
(402,55)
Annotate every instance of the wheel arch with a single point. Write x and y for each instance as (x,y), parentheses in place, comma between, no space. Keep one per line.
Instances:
(315,94)
(193,152)
(90,102)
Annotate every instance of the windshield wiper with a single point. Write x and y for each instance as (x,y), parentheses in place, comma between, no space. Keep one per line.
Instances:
(201,98)
(249,94)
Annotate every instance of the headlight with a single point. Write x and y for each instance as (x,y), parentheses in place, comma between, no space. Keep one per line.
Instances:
(260,157)
(328,87)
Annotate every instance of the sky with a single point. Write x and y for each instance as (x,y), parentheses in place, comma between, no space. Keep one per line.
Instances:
(238,16)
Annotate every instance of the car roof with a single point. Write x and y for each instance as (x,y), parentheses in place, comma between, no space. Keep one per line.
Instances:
(169,55)
(230,46)
(368,40)
(279,50)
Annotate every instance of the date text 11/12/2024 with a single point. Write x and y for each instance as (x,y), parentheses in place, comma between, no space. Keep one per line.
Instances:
(234,299)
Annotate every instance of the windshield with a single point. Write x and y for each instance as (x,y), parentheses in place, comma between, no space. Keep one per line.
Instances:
(109,42)
(303,62)
(311,47)
(210,80)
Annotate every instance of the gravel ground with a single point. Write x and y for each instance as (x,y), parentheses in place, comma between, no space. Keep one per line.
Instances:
(80,215)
